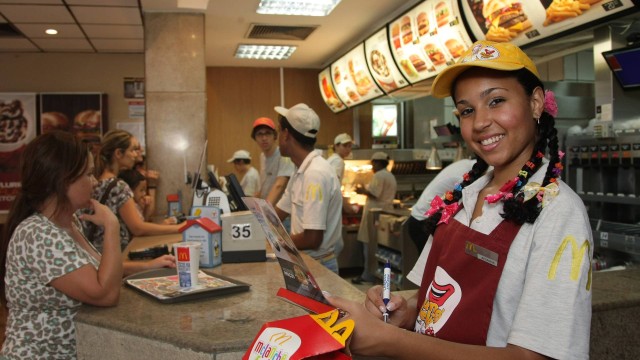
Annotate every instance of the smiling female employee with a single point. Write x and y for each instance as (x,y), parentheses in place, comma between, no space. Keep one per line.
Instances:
(507,274)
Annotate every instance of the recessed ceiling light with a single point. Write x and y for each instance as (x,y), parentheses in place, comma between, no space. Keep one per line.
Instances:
(297,7)
(51,31)
(265,52)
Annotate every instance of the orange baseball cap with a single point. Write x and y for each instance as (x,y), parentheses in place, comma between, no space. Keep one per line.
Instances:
(264,121)
(484,54)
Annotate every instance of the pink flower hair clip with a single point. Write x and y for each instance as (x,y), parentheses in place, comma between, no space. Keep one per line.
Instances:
(550,105)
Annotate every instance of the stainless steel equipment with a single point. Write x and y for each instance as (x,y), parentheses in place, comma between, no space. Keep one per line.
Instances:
(605,172)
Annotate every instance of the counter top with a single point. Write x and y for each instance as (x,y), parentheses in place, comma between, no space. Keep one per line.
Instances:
(212,326)
(222,328)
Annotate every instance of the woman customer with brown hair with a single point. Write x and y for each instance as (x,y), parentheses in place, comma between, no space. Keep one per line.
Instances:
(47,265)
(119,151)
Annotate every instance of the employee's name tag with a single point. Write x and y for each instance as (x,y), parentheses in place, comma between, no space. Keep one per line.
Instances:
(481,253)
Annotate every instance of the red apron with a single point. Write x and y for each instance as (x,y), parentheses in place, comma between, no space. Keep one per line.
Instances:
(466,266)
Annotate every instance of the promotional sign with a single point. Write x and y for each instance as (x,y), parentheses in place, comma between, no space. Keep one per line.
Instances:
(522,22)
(428,38)
(352,80)
(379,59)
(83,114)
(17,128)
(328,92)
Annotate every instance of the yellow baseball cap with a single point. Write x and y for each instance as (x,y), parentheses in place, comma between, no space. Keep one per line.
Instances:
(485,54)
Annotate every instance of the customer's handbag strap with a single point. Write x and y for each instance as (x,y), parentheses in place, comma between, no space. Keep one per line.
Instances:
(92,227)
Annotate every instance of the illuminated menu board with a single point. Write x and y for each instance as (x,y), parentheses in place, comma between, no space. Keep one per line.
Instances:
(328,92)
(523,22)
(428,38)
(378,54)
(352,80)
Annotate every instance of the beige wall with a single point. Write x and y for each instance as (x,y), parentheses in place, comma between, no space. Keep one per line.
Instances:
(104,73)
(238,96)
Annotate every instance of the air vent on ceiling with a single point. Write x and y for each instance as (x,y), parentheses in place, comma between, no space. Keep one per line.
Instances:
(279,32)
(9,31)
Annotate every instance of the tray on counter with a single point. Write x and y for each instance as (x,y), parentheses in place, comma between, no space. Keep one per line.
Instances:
(162,285)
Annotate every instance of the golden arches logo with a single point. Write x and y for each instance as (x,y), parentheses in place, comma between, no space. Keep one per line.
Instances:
(280,338)
(314,192)
(183,254)
(470,246)
(339,331)
(577,256)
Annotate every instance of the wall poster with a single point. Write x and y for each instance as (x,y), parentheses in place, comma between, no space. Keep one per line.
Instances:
(17,128)
(83,114)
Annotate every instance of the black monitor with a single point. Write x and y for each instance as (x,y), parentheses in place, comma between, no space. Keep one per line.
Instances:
(213,181)
(624,65)
(235,194)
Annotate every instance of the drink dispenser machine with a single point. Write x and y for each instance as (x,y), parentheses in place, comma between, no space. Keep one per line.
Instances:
(605,172)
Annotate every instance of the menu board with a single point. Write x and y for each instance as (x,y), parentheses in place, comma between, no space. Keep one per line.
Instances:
(352,79)
(428,38)
(523,22)
(328,92)
(378,54)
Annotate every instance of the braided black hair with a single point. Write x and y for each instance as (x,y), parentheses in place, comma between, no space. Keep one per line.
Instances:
(515,208)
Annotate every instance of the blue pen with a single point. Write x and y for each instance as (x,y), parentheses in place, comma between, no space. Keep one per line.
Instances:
(386,289)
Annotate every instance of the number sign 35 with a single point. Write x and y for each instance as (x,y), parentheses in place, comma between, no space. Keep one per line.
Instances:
(241,231)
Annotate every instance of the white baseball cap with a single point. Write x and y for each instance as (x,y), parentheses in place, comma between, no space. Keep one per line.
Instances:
(302,118)
(380,155)
(240,154)
(343,138)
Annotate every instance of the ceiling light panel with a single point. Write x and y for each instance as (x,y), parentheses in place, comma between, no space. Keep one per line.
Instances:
(265,52)
(114,31)
(297,7)
(9,45)
(43,14)
(107,15)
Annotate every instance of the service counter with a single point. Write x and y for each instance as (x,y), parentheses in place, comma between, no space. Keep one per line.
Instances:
(220,328)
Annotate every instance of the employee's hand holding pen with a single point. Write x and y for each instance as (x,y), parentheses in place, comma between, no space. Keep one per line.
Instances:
(370,331)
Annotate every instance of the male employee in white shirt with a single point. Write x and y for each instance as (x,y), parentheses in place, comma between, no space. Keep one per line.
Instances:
(248,175)
(312,197)
(342,148)
(275,170)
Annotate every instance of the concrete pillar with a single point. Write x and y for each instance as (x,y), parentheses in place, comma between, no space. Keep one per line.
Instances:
(175,120)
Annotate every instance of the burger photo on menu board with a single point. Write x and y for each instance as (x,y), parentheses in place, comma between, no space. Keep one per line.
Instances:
(435,55)
(405,29)
(504,15)
(455,47)
(417,63)
(423,23)
(442,14)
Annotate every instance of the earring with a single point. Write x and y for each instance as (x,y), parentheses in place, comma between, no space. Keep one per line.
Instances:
(537,119)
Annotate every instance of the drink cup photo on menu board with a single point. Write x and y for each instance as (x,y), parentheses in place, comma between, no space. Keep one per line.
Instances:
(354,84)
(521,22)
(380,61)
